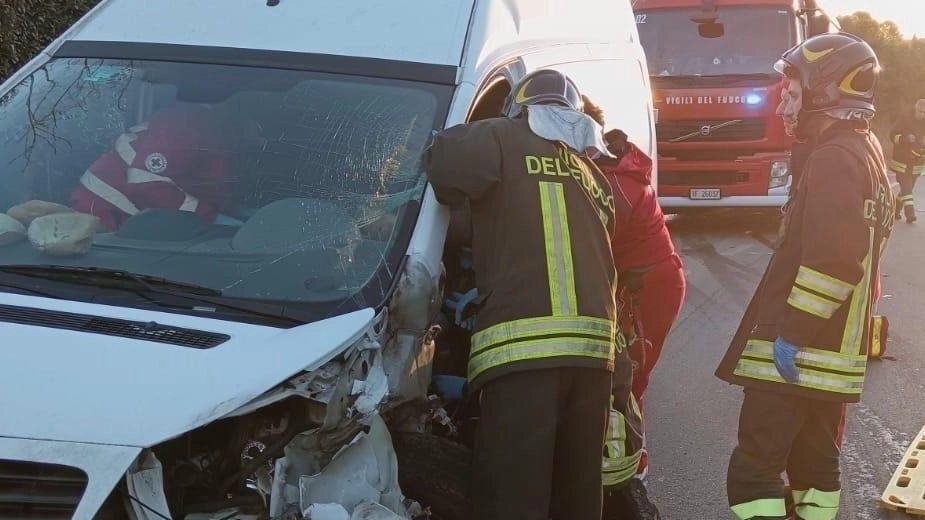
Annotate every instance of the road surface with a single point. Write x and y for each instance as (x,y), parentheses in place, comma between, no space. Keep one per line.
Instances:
(692,415)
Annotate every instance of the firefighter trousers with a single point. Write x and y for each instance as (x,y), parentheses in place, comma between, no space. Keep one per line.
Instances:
(784,433)
(538,445)
(906,200)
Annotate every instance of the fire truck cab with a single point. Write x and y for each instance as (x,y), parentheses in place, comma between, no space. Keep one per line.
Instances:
(715,91)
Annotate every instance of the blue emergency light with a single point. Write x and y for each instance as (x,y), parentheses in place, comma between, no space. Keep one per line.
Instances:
(753,99)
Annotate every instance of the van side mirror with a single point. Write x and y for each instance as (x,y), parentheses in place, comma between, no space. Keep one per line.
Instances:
(818,23)
(711,30)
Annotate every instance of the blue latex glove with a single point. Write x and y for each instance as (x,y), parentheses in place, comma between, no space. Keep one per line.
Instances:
(458,303)
(785,354)
(450,388)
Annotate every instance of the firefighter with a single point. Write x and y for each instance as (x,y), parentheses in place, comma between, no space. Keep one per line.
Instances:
(652,287)
(800,350)
(545,343)
(908,160)
(179,159)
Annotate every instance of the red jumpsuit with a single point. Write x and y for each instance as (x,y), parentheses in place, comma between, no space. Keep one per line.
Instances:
(642,249)
(175,161)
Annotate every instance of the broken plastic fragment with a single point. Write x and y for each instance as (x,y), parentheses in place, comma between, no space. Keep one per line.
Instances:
(326,512)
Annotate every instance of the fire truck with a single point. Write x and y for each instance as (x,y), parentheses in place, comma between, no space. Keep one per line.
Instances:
(715,90)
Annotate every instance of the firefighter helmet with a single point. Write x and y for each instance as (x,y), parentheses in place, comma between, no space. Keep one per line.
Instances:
(838,73)
(543,87)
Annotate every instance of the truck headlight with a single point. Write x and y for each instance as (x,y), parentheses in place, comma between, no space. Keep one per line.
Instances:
(780,171)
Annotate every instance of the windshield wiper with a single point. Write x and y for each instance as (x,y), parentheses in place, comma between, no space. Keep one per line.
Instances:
(142,283)
(95,275)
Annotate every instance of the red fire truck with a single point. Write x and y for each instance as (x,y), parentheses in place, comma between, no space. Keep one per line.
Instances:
(720,143)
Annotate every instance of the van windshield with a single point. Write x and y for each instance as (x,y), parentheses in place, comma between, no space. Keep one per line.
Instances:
(754,38)
(259,184)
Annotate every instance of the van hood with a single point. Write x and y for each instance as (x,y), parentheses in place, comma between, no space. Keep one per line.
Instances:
(63,385)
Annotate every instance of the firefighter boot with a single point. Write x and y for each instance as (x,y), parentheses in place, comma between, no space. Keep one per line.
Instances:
(629,502)
(909,210)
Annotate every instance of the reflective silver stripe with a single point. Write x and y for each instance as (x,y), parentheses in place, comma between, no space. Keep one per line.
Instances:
(139,176)
(823,283)
(106,192)
(819,357)
(542,326)
(125,149)
(811,303)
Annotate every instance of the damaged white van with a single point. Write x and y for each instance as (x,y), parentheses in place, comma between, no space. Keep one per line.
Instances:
(222,274)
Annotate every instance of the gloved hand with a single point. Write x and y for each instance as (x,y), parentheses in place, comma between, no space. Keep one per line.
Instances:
(910,138)
(785,354)
(458,303)
(451,388)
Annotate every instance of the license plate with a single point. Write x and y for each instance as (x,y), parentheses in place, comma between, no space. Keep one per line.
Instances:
(706,194)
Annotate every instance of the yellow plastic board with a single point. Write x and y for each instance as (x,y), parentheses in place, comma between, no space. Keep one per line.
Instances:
(906,491)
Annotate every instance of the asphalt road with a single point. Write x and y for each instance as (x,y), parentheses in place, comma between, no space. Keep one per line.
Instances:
(692,415)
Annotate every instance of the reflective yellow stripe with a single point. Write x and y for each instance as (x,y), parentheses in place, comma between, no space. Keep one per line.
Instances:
(813,504)
(897,166)
(618,466)
(770,507)
(859,310)
(907,200)
(823,284)
(812,303)
(539,349)
(542,327)
(558,250)
(811,357)
(764,370)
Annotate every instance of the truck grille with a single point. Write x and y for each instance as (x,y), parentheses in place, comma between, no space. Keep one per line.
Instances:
(33,491)
(696,131)
(707,179)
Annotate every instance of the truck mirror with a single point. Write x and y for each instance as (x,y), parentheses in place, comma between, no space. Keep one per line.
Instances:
(711,30)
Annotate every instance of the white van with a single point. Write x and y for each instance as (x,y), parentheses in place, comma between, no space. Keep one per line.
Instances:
(246,324)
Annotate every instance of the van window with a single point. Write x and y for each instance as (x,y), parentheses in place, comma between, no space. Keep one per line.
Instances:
(618,87)
(262,184)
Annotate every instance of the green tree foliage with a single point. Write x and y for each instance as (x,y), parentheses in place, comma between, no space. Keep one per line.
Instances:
(902,61)
(27,26)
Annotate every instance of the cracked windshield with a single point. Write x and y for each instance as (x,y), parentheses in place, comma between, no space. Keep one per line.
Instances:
(257,183)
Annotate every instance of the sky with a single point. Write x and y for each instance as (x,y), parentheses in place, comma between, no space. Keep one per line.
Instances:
(909,15)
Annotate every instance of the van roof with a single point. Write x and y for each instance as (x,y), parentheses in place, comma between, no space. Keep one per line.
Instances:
(422,31)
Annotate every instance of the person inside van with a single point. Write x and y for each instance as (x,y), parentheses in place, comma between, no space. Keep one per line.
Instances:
(178,159)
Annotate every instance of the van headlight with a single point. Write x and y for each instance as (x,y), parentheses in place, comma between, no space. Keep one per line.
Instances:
(780,171)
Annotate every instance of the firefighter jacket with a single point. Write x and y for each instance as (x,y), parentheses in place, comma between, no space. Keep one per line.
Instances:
(176,161)
(541,219)
(818,289)
(908,157)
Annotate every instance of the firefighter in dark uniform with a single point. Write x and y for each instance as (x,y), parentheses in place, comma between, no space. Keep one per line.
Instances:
(908,160)
(800,351)
(545,344)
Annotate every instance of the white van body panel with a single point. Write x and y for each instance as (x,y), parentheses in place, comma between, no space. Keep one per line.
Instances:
(78,387)
(423,31)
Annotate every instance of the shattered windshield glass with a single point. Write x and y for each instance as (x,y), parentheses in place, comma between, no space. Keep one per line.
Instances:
(259,183)
(753,39)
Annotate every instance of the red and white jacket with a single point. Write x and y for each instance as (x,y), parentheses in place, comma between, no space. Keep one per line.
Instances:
(176,161)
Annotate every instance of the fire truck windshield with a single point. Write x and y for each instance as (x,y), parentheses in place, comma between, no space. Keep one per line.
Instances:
(754,38)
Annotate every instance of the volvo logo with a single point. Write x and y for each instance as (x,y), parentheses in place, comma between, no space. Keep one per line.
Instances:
(705,131)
